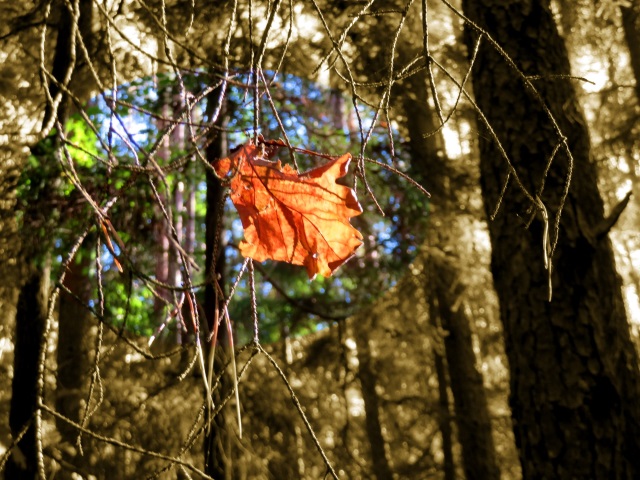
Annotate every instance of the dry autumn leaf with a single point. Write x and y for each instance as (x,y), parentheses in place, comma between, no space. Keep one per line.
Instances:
(290,217)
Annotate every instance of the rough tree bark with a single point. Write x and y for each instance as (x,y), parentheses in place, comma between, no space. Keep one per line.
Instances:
(429,160)
(574,371)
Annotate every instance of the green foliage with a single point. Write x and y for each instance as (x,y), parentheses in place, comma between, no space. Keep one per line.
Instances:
(40,190)
(130,307)
(313,118)
(83,146)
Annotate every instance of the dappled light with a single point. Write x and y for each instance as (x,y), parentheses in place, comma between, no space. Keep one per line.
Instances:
(272,240)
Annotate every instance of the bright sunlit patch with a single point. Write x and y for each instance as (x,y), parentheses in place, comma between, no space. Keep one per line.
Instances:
(627,258)
(481,240)
(623,188)
(455,141)
(6,345)
(133,358)
(308,24)
(633,304)
(593,70)
(355,402)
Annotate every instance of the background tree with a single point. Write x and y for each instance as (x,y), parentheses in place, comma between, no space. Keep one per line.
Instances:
(32,307)
(631,25)
(443,285)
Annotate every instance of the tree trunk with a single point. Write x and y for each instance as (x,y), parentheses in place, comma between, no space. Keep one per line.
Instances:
(72,354)
(175,275)
(31,318)
(574,371)
(429,160)
(217,441)
(373,427)
(73,351)
(472,412)
(161,227)
(31,312)
(631,26)
(175,264)
(444,412)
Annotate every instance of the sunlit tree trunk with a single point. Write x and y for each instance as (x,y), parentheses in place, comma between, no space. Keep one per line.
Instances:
(574,371)
(338,110)
(189,233)
(190,213)
(175,276)
(189,243)
(429,161)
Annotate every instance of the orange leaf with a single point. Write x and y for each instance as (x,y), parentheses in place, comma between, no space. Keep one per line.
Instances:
(297,218)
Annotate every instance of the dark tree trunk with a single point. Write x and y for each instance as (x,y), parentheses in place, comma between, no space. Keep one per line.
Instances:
(444,411)
(373,427)
(31,313)
(61,62)
(631,26)
(31,317)
(217,441)
(472,411)
(73,351)
(73,318)
(574,371)
(429,161)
